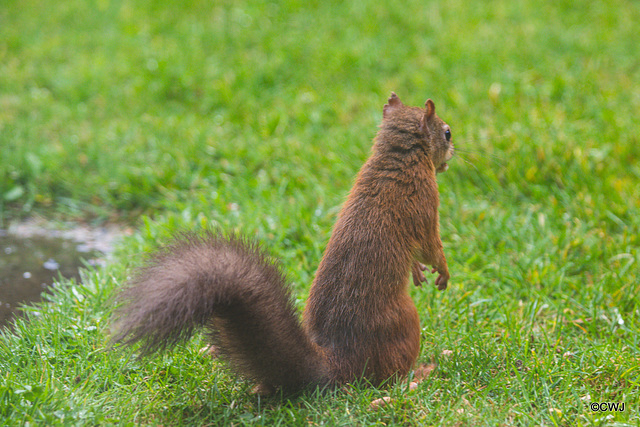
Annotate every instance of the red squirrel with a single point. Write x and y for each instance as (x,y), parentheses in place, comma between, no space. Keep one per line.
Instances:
(359,320)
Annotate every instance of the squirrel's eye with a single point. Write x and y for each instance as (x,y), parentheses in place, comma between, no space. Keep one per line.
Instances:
(447,135)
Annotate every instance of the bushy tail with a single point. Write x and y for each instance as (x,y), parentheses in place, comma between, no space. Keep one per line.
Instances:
(241,298)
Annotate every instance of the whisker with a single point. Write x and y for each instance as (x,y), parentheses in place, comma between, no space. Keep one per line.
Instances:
(479,174)
(468,162)
(498,160)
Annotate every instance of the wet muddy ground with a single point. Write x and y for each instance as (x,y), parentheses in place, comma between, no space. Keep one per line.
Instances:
(33,255)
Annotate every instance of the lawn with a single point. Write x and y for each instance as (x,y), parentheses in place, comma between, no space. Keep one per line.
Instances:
(255,116)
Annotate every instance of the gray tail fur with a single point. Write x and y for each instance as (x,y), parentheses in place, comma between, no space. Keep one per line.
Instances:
(230,288)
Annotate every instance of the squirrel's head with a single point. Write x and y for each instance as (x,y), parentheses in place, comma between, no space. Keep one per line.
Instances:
(409,128)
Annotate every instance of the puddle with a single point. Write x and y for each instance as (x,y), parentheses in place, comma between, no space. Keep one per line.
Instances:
(32,256)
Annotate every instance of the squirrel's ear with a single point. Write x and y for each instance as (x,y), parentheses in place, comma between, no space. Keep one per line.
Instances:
(431,109)
(392,103)
(428,115)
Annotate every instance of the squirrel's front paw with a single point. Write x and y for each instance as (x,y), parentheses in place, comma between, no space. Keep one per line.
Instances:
(441,281)
(417,272)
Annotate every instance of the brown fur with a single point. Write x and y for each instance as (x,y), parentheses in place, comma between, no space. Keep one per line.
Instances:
(359,319)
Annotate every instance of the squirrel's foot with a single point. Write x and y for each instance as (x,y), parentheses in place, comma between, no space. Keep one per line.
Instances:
(375,404)
(419,375)
(263,390)
(210,350)
(423,371)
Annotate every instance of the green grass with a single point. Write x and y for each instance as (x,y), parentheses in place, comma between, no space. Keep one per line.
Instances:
(255,116)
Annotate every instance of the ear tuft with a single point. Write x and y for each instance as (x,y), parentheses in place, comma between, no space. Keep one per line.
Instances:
(431,108)
(394,100)
(392,103)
